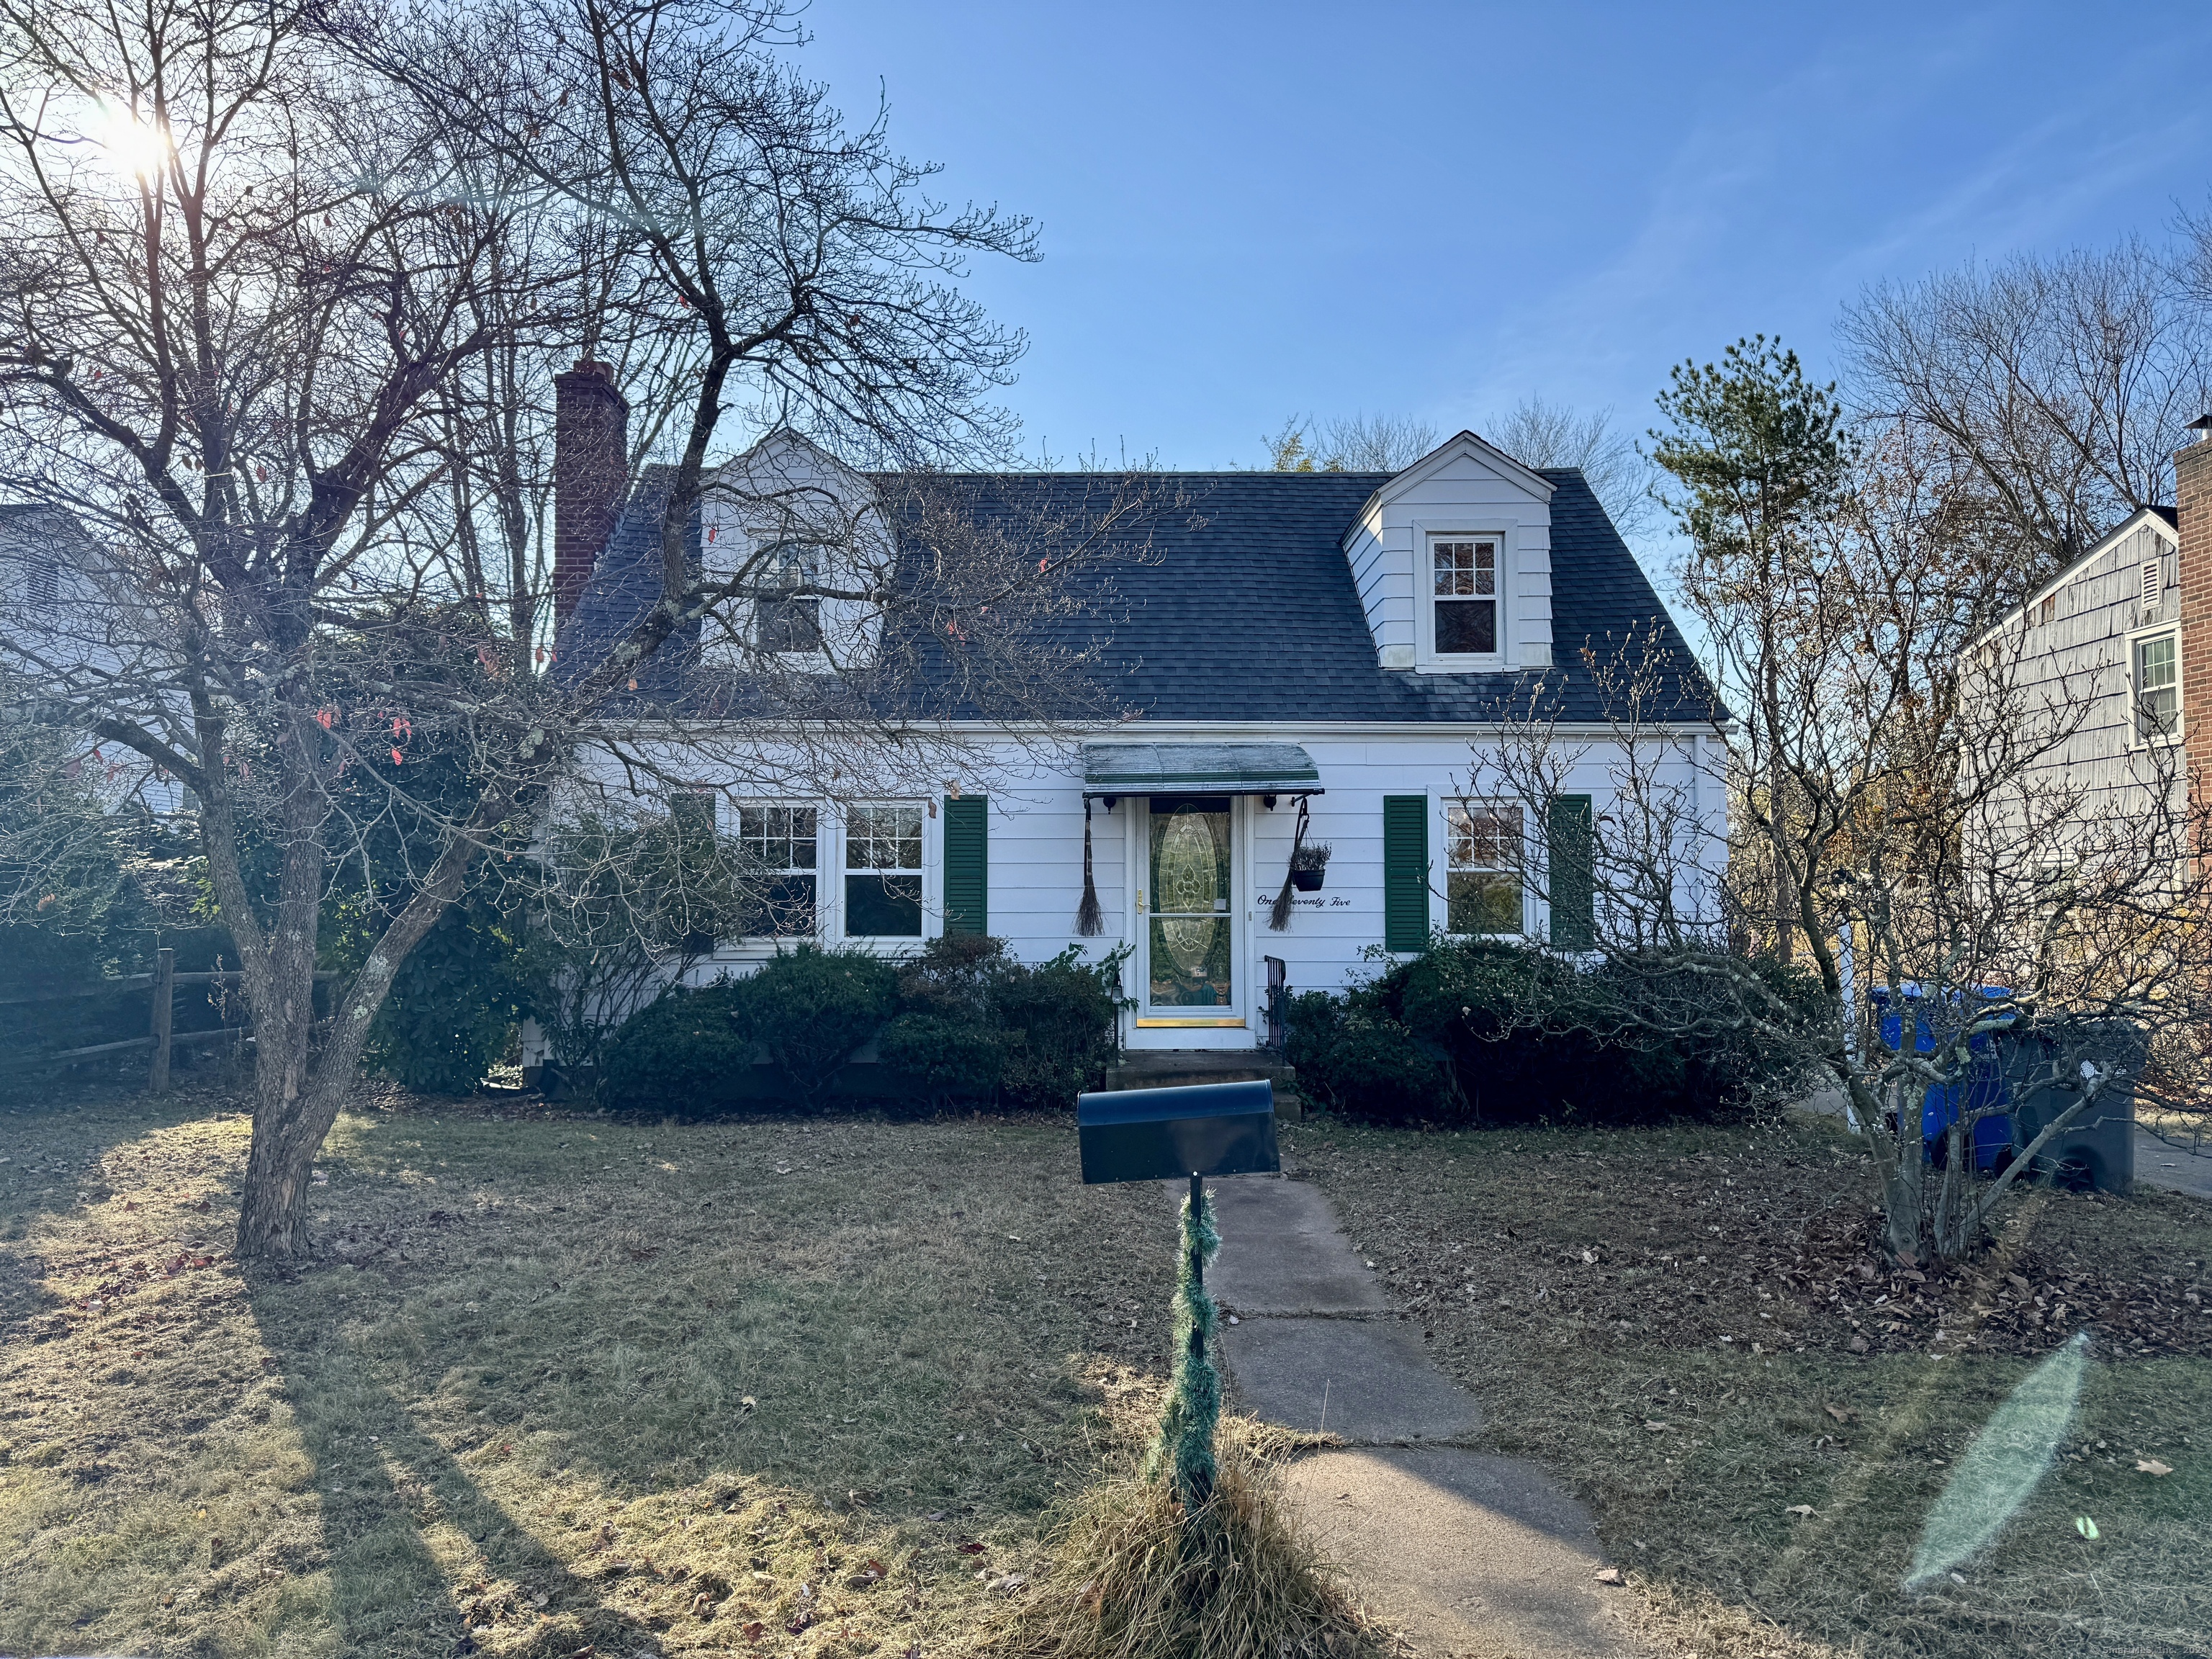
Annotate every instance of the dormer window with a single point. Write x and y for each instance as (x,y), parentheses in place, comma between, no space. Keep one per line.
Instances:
(787,624)
(1465,590)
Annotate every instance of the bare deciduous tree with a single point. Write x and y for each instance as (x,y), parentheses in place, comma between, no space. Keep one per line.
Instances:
(1972,911)
(284,286)
(1354,443)
(2061,385)
(1541,434)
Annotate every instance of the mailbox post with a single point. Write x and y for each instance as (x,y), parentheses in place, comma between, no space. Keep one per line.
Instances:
(1161,1135)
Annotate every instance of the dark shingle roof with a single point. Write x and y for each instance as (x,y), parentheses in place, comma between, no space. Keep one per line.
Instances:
(1243,607)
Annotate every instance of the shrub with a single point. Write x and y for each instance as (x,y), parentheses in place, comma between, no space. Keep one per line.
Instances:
(1060,1017)
(683,1053)
(944,1058)
(1051,1025)
(1513,1034)
(451,1004)
(1362,1062)
(809,1008)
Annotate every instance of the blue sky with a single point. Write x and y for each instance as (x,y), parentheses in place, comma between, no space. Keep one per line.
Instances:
(1434,209)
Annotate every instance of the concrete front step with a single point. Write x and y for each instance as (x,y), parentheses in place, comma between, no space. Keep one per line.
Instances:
(1172,1068)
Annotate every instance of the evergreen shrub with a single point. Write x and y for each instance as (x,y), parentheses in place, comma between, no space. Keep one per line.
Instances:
(1485,1032)
(682,1054)
(809,1008)
(1052,1025)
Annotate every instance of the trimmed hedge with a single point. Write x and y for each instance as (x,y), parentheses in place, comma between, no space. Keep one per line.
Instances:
(1484,1031)
(1052,1025)
(961,1020)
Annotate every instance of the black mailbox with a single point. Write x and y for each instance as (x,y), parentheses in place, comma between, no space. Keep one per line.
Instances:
(1160,1134)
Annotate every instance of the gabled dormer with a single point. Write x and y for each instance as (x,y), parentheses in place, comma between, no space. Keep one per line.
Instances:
(1452,559)
(786,514)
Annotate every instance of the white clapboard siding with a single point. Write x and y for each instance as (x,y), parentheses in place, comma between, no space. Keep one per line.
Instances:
(2080,662)
(1036,854)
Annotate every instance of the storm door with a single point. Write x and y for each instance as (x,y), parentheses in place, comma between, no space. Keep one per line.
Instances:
(1189,925)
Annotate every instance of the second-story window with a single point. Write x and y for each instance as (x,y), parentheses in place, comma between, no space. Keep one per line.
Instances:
(2158,689)
(791,624)
(1464,578)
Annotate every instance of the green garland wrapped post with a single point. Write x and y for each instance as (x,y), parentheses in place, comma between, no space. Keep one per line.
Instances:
(1194,1408)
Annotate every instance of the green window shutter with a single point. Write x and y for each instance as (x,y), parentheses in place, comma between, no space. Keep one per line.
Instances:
(967,865)
(1405,872)
(1574,885)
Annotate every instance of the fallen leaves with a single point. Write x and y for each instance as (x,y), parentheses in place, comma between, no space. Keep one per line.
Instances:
(1839,1413)
(1802,1509)
(1607,1575)
(2151,1466)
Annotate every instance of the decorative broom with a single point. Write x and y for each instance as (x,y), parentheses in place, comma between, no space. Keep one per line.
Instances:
(1278,915)
(1088,921)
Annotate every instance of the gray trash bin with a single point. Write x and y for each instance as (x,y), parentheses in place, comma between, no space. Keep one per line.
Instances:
(2043,1078)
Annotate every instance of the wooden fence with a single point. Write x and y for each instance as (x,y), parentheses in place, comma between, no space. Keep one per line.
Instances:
(161,1038)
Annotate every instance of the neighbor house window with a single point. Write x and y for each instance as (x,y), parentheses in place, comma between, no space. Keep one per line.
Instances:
(787,624)
(2047,612)
(1465,591)
(1482,867)
(2158,689)
(883,873)
(779,843)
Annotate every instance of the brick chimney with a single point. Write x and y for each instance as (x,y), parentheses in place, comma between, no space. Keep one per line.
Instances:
(591,445)
(2192,502)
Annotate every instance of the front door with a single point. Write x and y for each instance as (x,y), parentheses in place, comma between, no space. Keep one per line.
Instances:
(1187,897)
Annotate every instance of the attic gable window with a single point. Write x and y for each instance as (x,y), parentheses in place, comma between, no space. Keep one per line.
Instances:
(1465,591)
(787,624)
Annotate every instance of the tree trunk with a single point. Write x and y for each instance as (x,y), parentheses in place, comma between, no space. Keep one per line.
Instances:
(302,1089)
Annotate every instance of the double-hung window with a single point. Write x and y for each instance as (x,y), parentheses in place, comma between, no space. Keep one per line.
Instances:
(788,624)
(780,843)
(2158,689)
(1463,576)
(882,872)
(1483,867)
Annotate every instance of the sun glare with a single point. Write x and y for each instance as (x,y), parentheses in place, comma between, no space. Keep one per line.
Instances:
(139,148)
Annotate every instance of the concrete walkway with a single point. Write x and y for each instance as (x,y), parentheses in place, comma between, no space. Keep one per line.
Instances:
(1469,1555)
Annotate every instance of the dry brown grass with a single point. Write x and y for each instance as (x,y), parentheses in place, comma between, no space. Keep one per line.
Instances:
(561,1383)
(1132,1576)
(1580,1285)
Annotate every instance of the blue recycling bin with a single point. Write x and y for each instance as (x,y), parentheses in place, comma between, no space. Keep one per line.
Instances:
(1983,1090)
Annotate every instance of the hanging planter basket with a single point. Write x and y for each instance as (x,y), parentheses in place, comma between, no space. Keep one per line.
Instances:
(1307,881)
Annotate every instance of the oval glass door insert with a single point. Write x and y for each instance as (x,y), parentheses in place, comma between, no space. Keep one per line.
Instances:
(1190,923)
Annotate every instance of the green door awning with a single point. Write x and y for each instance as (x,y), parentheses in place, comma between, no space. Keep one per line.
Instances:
(1200,768)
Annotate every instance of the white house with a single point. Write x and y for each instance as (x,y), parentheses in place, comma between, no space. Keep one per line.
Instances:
(1345,641)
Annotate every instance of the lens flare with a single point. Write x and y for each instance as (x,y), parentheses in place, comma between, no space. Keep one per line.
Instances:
(2004,1464)
(140,149)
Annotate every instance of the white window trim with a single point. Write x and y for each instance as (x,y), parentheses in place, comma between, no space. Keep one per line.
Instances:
(1535,914)
(2136,639)
(830,873)
(1427,533)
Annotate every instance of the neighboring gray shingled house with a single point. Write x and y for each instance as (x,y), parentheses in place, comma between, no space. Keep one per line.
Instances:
(1350,638)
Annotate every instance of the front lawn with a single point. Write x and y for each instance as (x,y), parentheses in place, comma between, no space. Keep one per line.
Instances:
(1667,1320)
(564,1382)
(568,1382)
